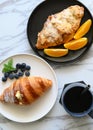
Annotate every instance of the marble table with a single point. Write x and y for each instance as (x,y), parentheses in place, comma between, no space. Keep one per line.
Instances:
(14,16)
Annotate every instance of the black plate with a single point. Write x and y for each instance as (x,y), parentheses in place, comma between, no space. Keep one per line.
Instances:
(39,16)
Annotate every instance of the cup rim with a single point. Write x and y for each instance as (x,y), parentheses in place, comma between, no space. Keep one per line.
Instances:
(72,85)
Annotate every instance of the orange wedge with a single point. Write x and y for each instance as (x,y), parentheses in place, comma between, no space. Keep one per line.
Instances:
(56,52)
(84,28)
(76,44)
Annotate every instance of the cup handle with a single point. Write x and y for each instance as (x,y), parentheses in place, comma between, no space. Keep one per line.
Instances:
(91,113)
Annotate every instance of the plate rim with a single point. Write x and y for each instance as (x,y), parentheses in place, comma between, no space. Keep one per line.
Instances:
(56,87)
(45,58)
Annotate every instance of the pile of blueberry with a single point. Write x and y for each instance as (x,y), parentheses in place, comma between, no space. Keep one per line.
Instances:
(20,70)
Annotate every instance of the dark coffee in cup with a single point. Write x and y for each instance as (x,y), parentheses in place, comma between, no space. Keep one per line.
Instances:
(77,99)
(77,102)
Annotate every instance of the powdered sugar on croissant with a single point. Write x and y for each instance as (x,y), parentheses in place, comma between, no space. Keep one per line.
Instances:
(25,90)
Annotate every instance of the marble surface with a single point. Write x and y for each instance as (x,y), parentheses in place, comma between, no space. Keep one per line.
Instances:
(14,16)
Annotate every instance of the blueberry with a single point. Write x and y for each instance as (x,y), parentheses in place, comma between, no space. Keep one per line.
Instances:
(18,66)
(11,76)
(20,74)
(6,74)
(27,73)
(4,79)
(23,65)
(23,69)
(16,76)
(28,67)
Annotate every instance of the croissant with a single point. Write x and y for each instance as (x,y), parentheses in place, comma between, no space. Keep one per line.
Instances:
(25,90)
(60,27)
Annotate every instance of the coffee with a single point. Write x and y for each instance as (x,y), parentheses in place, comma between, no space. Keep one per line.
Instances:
(77,102)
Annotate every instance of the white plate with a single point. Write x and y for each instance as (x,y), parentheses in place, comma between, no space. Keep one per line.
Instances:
(44,104)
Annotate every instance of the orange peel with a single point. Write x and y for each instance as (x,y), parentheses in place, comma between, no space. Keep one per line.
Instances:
(84,28)
(76,44)
(56,52)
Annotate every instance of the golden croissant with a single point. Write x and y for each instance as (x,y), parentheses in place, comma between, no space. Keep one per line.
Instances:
(25,90)
(60,27)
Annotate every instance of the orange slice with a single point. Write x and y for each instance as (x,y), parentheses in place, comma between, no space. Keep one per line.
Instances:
(84,28)
(56,52)
(76,44)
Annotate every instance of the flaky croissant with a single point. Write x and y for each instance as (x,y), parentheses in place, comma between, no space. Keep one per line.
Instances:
(25,90)
(60,27)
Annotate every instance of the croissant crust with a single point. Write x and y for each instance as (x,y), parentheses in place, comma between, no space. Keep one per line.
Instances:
(25,90)
(60,27)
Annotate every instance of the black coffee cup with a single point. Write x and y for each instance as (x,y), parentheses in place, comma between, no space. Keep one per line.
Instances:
(77,99)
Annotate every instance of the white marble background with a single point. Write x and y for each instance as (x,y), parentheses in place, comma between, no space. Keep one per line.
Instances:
(14,16)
